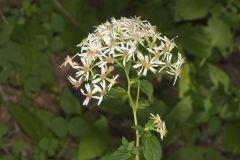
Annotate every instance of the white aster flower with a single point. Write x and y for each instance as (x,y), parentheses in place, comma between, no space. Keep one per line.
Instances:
(76,83)
(175,69)
(112,81)
(83,71)
(102,90)
(145,64)
(159,125)
(68,60)
(89,94)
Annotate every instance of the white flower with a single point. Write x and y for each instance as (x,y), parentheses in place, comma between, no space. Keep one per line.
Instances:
(102,90)
(68,60)
(159,125)
(83,71)
(89,94)
(112,81)
(145,64)
(175,69)
(128,52)
(100,77)
(165,64)
(76,84)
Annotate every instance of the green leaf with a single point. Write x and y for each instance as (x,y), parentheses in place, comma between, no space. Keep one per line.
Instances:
(231,138)
(151,147)
(3,129)
(48,145)
(78,126)
(219,29)
(214,126)
(5,30)
(117,92)
(29,122)
(57,44)
(69,103)
(95,141)
(195,39)
(143,103)
(31,86)
(59,127)
(218,76)
(57,22)
(7,157)
(147,88)
(196,153)
(183,110)
(185,81)
(18,147)
(190,9)
(124,152)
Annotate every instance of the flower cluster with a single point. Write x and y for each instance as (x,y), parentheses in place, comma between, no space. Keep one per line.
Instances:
(159,125)
(117,43)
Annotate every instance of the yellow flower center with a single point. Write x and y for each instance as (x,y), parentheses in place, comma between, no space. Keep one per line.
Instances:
(147,65)
(164,132)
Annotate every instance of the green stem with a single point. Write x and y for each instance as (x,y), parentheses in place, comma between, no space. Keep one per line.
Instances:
(134,108)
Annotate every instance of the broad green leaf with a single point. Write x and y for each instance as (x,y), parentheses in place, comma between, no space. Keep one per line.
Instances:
(29,122)
(117,92)
(57,22)
(41,42)
(231,138)
(31,86)
(195,39)
(190,133)
(196,153)
(219,29)
(183,110)
(77,126)
(143,103)
(59,126)
(124,152)
(95,141)
(69,103)
(147,88)
(218,76)
(3,129)
(5,30)
(9,53)
(190,9)
(57,44)
(151,147)
(214,125)
(185,81)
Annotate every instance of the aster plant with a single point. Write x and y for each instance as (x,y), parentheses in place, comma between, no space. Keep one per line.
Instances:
(138,49)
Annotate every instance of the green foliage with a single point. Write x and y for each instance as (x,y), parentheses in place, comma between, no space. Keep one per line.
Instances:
(190,9)
(125,151)
(94,140)
(151,147)
(231,138)
(34,127)
(182,111)
(218,77)
(196,153)
(69,103)
(147,88)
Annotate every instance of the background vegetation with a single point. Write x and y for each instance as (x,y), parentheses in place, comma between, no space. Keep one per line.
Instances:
(41,117)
